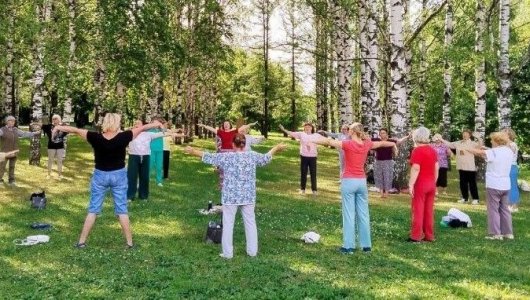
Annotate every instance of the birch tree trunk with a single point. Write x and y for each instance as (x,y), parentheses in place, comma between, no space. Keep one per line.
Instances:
(398,119)
(343,44)
(68,116)
(9,84)
(43,14)
(266,10)
(154,97)
(504,91)
(480,80)
(372,67)
(321,67)
(100,80)
(366,113)
(423,69)
(448,89)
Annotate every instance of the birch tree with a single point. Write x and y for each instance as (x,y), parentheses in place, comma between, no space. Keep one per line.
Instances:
(372,66)
(343,45)
(9,84)
(480,65)
(398,120)
(68,116)
(448,41)
(43,15)
(504,91)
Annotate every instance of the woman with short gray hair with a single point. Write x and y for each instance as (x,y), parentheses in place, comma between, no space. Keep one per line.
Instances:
(422,186)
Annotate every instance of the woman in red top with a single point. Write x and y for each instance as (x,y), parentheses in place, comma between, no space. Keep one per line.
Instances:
(422,186)
(353,186)
(226,134)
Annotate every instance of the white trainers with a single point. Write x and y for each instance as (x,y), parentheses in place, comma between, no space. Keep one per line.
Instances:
(301,192)
(494,237)
(160,184)
(474,202)
(508,236)
(462,200)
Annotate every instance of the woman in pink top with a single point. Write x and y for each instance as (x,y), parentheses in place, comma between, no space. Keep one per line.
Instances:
(308,155)
(353,186)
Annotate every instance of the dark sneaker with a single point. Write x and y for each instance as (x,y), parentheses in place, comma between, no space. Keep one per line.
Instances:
(346,250)
(367,249)
(80,245)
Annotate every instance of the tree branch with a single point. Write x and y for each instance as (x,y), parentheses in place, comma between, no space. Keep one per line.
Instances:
(425,23)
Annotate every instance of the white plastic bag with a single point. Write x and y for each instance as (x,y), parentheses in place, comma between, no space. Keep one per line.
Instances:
(310,237)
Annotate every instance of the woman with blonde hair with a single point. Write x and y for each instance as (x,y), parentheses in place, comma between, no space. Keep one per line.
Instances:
(110,172)
(499,163)
(422,186)
(514,171)
(354,190)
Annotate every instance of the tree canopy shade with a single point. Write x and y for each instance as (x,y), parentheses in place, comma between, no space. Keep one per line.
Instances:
(445,64)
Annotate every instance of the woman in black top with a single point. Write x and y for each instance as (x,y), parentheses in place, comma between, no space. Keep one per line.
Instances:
(110,173)
(55,145)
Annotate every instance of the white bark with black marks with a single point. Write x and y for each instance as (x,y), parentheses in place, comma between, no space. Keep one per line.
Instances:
(504,91)
(448,89)
(480,65)
(9,82)
(100,80)
(68,116)
(399,117)
(343,44)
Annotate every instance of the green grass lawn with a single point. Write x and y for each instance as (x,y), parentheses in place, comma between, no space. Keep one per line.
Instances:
(173,262)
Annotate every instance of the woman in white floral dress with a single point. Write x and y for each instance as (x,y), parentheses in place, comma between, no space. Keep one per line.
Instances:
(238,189)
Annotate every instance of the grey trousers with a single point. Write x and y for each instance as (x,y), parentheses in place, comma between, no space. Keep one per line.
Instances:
(12,161)
(499,216)
(384,174)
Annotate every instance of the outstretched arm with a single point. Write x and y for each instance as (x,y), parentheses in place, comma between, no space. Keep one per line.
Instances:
(209,128)
(289,133)
(277,148)
(477,152)
(11,153)
(401,140)
(328,142)
(449,144)
(74,130)
(193,151)
(136,131)
(245,127)
(383,144)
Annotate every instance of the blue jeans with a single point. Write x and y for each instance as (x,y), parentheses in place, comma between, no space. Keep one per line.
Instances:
(101,182)
(355,212)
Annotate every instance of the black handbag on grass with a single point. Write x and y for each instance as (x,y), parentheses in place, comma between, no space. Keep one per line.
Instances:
(214,232)
(38,200)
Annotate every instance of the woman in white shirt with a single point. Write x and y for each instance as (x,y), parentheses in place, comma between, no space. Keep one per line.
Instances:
(499,163)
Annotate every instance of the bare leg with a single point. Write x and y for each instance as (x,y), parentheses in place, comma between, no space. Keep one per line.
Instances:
(126,228)
(89,222)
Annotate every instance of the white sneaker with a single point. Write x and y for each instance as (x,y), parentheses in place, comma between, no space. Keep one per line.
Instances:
(223,256)
(494,237)
(474,202)
(462,200)
(315,193)
(160,184)
(301,192)
(508,236)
